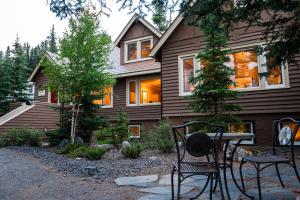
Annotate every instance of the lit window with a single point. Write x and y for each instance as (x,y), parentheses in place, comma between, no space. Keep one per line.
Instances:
(243,127)
(285,133)
(134,131)
(275,74)
(132,92)
(53,97)
(132,51)
(150,91)
(106,101)
(145,48)
(188,73)
(143,92)
(139,49)
(245,66)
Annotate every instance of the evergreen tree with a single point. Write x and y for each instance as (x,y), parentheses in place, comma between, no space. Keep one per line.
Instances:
(52,41)
(19,73)
(5,71)
(159,17)
(213,80)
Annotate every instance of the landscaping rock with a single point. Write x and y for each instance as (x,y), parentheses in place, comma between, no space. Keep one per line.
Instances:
(78,140)
(155,197)
(166,190)
(107,147)
(125,144)
(140,181)
(63,143)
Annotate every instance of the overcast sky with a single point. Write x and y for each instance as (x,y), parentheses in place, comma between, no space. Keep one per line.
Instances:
(32,21)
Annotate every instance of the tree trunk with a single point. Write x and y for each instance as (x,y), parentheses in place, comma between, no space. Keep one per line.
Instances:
(73,124)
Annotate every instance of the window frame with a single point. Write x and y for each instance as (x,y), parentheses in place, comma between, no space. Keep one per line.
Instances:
(138,95)
(134,125)
(251,142)
(196,67)
(111,99)
(138,42)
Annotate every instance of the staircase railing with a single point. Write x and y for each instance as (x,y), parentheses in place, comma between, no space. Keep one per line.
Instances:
(14,113)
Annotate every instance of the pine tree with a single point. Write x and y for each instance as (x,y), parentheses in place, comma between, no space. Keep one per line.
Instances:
(52,41)
(5,71)
(213,80)
(19,73)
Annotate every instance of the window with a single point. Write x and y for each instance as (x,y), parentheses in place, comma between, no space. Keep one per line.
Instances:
(150,91)
(143,92)
(53,97)
(275,74)
(187,69)
(107,100)
(285,131)
(139,49)
(243,127)
(245,66)
(134,131)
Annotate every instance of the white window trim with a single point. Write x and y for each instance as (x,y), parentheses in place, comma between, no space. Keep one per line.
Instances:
(261,60)
(251,142)
(180,71)
(139,48)
(131,136)
(138,97)
(112,99)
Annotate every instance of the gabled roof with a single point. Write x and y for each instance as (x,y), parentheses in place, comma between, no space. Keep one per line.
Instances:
(130,23)
(166,35)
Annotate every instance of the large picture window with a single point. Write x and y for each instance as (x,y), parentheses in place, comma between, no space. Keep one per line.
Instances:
(137,50)
(143,92)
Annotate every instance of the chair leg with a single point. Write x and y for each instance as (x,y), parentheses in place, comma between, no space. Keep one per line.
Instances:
(211,186)
(220,184)
(296,171)
(178,186)
(241,174)
(216,183)
(225,183)
(172,183)
(278,174)
(258,182)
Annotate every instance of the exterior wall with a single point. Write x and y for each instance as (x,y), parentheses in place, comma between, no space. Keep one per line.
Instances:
(186,40)
(263,124)
(39,81)
(137,30)
(14,105)
(39,117)
(139,113)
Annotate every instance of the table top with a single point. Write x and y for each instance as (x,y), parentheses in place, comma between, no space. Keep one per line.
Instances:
(234,136)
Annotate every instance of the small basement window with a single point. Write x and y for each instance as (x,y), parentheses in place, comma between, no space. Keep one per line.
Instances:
(243,127)
(134,131)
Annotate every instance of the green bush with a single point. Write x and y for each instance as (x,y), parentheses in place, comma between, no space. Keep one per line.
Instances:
(21,136)
(56,136)
(165,145)
(82,151)
(133,151)
(120,129)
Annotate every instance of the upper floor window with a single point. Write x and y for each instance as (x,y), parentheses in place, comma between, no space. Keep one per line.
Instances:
(137,50)
(143,92)
(107,100)
(251,72)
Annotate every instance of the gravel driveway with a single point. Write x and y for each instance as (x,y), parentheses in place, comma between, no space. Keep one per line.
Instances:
(23,177)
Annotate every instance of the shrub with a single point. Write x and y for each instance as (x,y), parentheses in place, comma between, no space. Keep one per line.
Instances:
(94,153)
(21,136)
(70,147)
(120,130)
(132,151)
(165,145)
(82,151)
(56,136)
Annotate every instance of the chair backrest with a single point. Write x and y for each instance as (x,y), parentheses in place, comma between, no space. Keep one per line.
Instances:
(285,132)
(192,138)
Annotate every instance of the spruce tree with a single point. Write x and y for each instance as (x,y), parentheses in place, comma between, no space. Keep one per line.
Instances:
(52,47)
(5,71)
(19,73)
(213,79)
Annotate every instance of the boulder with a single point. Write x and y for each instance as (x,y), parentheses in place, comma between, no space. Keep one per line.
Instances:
(78,140)
(63,143)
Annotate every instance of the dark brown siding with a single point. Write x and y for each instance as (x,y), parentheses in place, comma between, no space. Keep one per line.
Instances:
(137,30)
(149,112)
(41,116)
(15,105)
(39,81)
(186,40)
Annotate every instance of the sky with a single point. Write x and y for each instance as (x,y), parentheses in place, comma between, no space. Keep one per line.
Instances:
(32,20)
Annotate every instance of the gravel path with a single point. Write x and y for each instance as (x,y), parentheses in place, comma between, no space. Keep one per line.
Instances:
(24,177)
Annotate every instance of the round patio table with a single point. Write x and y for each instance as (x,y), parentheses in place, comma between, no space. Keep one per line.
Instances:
(228,161)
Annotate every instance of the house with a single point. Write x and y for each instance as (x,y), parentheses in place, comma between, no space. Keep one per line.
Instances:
(265,98)
(137,90)
(153,71)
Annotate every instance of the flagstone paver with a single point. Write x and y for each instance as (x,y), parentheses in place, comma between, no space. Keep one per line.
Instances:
(140,181)
(165,190)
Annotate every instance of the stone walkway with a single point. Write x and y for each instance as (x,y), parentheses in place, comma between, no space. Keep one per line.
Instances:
(154,187)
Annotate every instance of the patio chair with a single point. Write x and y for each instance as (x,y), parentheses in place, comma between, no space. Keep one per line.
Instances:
(283,138)
(197,144)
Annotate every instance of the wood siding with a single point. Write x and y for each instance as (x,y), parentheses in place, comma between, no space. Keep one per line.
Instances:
(39,117)
(39,81)
(148,112)
(137,30)
(186,40)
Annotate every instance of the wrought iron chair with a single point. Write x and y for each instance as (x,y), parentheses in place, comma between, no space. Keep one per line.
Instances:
(197,144)
(283,138)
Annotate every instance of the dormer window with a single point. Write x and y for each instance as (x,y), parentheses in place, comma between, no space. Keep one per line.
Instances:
(138,49)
